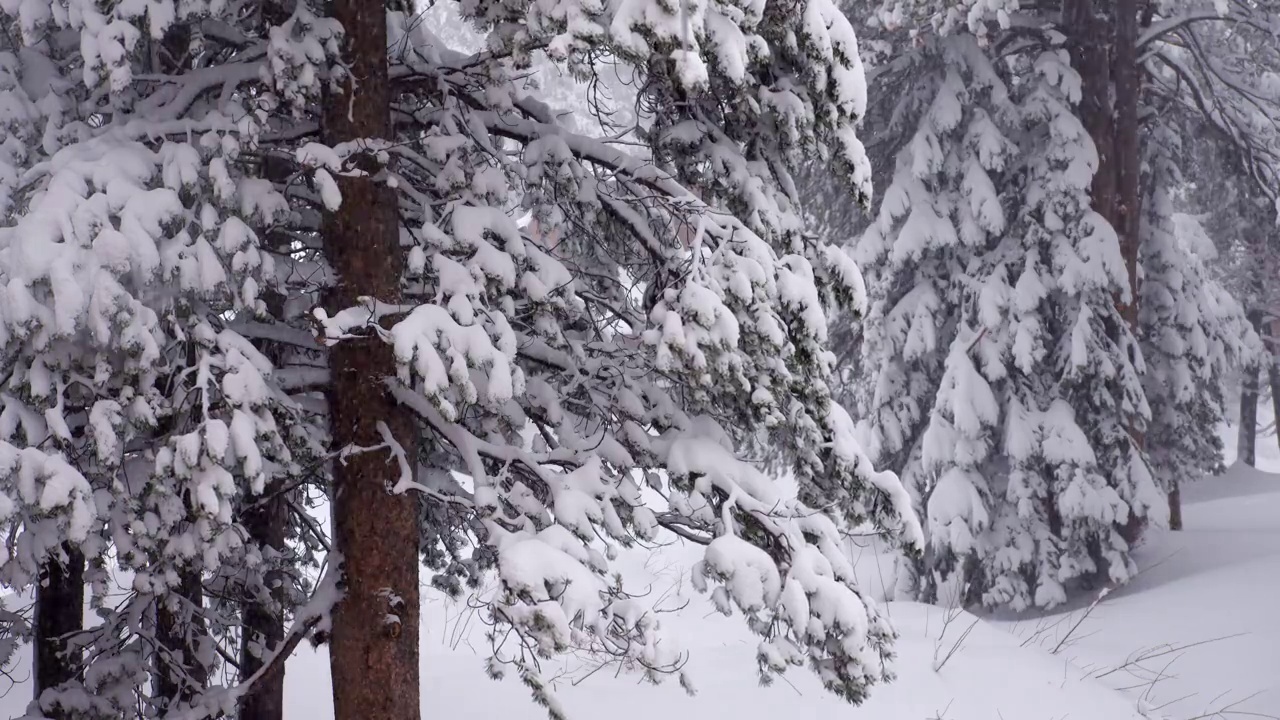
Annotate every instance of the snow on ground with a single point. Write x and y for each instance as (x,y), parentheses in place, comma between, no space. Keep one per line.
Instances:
(1197,633)
(1133,656)
(988,677)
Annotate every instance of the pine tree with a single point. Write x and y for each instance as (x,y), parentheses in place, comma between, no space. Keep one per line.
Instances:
(1019,423)
(727,333)
(1193,334)
(135,420)
(937,218)
(1036,476)
(1022,425)
(666,311)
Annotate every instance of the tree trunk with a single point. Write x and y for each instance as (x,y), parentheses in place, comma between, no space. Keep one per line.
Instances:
(180,672)
(1249,417)
(1091,33)
(262,618)
(1175,507)
(266,519)
(1128,209)
(374,645)
(1273,376)
(59,611)
(1248,437)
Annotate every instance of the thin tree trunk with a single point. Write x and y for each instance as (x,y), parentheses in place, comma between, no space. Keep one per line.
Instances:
(262,619)
(1249,417)
(1175,507)
(374,646)
(1273,376)
(1128,209)
(59,611)
(180,672)
(1248,437)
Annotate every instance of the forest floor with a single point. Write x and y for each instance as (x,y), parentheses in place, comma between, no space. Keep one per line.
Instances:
(1196,636)
(1197,633)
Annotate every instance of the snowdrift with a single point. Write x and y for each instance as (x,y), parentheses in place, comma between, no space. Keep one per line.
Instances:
(1195,633)
(989,676)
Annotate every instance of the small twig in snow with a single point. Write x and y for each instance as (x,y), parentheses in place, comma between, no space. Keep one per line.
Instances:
(1102,595)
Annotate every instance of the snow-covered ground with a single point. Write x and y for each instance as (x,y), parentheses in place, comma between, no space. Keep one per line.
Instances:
(1196,633)
(1215,583)
(989,676)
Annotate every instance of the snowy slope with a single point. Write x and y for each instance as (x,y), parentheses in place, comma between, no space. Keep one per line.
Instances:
(1198,631)
(989,677)
(1216,581)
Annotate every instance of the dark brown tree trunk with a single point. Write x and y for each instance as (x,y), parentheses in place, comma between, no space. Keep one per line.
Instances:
(262,618)
(1128,209)
(180,673)
(374,644)
(1248,437)
(1089,27)
(1103,36)
(1249,417)
(1175,507)
(1273,377)
(59,611)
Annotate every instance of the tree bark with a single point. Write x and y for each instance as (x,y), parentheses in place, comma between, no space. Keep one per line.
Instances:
(1247,445)
(1128,168)
(1248,437)
(262,618)
(374,645)
(59,611)
(1091,33)
(1175,507)
(180,672)
(1247,453)
(1273,376)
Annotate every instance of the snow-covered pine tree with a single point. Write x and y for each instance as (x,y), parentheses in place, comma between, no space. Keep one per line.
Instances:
(1234,211)
(1034,342)
(1193,333)
(1077,478)
(1215,66)
(561,393)
(1021,457)
(145,423)
(1027,438)
(938,217)
(135,423)
(60,593)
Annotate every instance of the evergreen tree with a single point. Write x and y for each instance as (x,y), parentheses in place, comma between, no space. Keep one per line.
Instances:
(935,222)
(1036,473)
(1193,334)
(139,425)
(1006,380)
(205,202)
